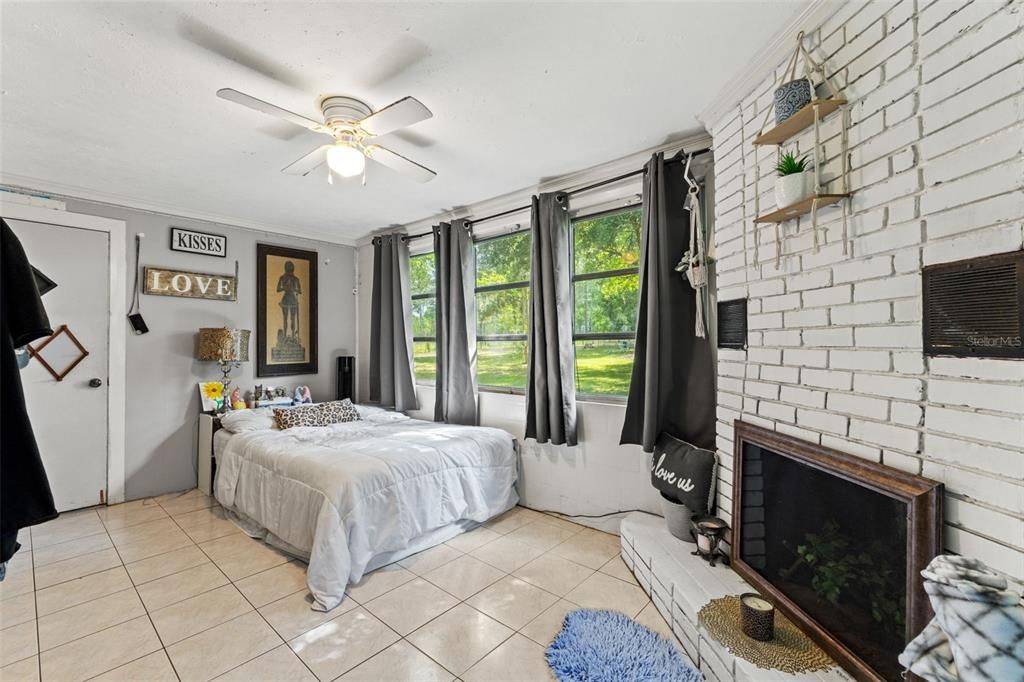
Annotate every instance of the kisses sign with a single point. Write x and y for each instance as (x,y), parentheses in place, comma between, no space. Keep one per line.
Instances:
(205,243)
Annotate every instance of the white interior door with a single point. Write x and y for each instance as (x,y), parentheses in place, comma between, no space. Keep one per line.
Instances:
(69,417)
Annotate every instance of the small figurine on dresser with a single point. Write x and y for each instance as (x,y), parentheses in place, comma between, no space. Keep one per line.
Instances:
(303,396)
(267,396)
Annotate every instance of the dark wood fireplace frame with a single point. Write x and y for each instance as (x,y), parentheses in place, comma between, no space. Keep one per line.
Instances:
(922,496)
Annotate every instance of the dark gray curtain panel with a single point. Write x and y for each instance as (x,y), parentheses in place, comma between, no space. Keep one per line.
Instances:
(391,372)
(455,388)
(551,376)
(672,386)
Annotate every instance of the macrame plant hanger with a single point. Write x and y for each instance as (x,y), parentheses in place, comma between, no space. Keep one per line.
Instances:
(810,65)
(696,259)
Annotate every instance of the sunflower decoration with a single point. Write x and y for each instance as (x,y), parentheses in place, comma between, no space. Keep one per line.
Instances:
(213,390)
(212,395)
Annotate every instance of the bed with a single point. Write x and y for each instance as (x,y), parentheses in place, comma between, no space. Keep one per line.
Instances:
(354,496)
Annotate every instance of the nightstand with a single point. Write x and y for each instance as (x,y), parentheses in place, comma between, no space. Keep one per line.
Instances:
(206,465)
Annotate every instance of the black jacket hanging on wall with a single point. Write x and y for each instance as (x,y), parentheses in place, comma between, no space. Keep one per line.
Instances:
(25,497)
(672,386)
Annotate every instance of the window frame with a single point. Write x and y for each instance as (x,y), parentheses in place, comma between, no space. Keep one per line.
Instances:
(574,278)
(506,286)
(421,297)
(587,276)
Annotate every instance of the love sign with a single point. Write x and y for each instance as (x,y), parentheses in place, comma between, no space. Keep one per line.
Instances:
(166,282)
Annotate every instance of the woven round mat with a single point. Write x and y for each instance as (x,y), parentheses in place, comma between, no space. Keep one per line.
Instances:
(790,651)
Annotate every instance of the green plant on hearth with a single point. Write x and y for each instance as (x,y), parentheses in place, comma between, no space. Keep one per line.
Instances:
(790,165)
(837,569)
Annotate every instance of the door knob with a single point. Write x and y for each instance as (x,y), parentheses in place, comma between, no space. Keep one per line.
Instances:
(95,382)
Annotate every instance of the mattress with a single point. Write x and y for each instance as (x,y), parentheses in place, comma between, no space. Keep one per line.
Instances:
(352,496)
(220,441)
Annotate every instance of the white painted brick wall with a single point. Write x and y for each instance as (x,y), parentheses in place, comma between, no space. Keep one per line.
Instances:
(936,91)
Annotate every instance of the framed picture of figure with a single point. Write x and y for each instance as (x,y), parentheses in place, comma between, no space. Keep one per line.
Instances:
(286,310)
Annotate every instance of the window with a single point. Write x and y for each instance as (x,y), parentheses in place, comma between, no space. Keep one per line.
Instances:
(423,275)
(606,281)
(502,307)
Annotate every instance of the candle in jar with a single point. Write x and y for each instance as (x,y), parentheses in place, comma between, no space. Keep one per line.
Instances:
(757,616)
(757,603)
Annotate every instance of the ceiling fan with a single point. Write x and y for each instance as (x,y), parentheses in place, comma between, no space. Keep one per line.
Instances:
(352,123)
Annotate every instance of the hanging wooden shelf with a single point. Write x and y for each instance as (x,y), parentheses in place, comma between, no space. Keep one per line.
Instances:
(799,121)
(800,208)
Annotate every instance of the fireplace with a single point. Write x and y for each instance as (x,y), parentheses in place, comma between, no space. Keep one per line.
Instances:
(837,542)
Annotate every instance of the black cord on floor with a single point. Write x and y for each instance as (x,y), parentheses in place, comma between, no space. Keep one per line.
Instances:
(587,516)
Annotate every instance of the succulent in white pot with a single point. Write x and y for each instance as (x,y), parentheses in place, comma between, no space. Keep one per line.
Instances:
(795,180)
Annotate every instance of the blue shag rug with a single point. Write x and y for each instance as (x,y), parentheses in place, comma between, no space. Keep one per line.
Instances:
(607,646)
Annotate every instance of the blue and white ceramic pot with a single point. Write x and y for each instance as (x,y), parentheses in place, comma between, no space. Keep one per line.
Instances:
(791,97)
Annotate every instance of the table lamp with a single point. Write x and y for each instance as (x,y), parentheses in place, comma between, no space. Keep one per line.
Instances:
(228,347)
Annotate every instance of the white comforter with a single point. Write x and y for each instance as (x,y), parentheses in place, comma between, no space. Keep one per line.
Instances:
(357,495)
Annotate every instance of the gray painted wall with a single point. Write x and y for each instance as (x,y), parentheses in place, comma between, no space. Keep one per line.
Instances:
(162,399)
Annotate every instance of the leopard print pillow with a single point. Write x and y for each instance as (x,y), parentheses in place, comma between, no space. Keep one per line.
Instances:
(319,414)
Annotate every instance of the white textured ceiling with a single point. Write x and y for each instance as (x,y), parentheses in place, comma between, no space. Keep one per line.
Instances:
(116,100)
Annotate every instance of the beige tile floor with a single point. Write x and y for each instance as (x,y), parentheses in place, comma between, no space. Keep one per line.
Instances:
(167,589)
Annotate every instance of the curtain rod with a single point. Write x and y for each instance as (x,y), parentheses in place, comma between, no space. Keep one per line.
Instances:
(681,155)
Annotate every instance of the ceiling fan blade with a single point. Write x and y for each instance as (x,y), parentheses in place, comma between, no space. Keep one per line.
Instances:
(268,108)
(396,59)
(400,164)
(282,130)
(402,113)
(414,138)
(237,51)
(308,163)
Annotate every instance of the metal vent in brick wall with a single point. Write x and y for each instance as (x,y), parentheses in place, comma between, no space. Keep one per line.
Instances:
(975,308)
(732,323)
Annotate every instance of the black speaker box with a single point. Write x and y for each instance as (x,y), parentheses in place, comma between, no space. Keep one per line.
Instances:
(346,377)
(138,324)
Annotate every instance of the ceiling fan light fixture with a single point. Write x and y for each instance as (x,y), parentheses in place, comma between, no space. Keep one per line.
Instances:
(345,160)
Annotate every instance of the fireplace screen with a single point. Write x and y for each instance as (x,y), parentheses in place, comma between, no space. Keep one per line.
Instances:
(834,547)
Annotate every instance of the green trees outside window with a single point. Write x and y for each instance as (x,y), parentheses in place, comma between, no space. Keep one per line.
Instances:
(422,275)
(606,290)
(502,309)
(605,286)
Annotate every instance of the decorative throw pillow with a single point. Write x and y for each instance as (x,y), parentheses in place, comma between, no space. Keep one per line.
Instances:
(684,473)
(237,421)
(319,414)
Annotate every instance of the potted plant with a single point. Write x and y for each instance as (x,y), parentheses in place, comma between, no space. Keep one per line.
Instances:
(794,181)
(791,97)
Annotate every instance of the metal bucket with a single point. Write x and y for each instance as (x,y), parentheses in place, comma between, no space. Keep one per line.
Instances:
(677,516)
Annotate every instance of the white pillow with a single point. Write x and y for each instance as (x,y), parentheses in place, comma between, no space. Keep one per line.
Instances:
(259,419)
(367,410)
(385,417)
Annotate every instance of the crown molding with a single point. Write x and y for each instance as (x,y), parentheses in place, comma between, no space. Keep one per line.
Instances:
(774,53)
(565,183)
(43,189)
